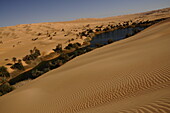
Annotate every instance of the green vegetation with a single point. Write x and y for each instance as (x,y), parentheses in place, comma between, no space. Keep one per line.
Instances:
(5,87)
(135,31)
(33,55)
(69,46)
(36,73)
(34,39)
(18,65)
(14,59)
(75,45)
(64,57)
(128,35)
(98,45)
(48,65)
(58,48)
(110,41)
(4,72)
(39,34)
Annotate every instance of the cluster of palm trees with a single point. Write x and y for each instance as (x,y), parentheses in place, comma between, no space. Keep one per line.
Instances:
(17,64)
(32,56)
(58,48)
(75,45)
(5,87)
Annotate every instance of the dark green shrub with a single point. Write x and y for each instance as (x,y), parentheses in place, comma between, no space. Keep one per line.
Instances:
(75,45)
(58,48)
(34,39)
(98,45)
(78,44)
(97,30)
(18,66)
(39,34)
(64,57)
(86,43)
(136,31)
(4,72)
(46,70)
(14,59)
(5,87)
(82,34)
(88,49)
(59,62)
(36,73)
(55,63)
(90,31)
(128,35)
(33,55)
(77,53)
(69,46)
(110,41)
(36,53)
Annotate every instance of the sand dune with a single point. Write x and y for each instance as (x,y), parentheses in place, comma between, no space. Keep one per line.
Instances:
(129,76)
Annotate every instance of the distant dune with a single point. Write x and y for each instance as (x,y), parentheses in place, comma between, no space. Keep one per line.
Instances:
(128,76)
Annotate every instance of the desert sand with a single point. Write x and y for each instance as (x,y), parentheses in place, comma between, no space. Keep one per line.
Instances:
(128,76)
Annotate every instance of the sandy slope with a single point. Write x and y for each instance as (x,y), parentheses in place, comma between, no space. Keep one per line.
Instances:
(132,75)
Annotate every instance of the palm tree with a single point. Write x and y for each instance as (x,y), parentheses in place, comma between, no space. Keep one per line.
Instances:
(34,49)
(4,72)
(21,67)
(3,80)
(19,61)
(14,59)
(31,52)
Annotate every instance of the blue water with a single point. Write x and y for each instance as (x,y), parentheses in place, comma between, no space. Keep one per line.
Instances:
(115,35)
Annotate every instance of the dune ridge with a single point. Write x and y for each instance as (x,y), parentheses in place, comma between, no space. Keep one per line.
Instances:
(131,75)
